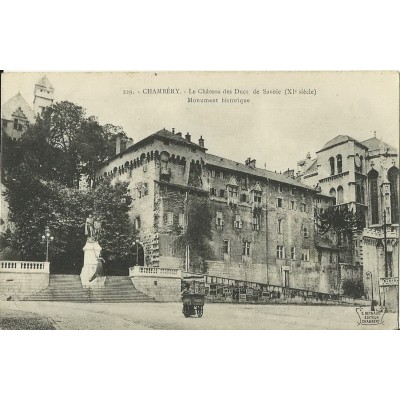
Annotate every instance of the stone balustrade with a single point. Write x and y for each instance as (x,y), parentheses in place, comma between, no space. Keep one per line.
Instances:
(25,266)
(138,271)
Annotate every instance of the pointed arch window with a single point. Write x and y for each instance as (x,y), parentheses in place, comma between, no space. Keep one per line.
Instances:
(339,163)
(393,178)
(373,195)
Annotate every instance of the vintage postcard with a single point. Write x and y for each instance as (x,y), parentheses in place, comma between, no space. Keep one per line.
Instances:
(199,200)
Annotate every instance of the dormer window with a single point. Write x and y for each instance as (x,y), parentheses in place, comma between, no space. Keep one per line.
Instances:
(233,191)
(257,197)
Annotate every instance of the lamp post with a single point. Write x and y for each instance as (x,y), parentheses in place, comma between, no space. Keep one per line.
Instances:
(136,243)
(369,276)
(47,238)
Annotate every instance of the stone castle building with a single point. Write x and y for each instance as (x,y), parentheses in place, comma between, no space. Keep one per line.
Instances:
(262,226)
(363,176)
(16,115)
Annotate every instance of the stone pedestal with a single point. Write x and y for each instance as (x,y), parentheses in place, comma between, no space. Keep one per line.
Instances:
(92,252)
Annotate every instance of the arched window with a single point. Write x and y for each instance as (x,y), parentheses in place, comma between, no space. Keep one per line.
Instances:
(332,193)
(339,163)
(373,195)
(339,195)
(393,178)
(332,165)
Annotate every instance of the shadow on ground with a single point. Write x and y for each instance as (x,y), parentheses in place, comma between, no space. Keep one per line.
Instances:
(22,320)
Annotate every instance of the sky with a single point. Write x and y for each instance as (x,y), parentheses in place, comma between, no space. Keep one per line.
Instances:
(277,129)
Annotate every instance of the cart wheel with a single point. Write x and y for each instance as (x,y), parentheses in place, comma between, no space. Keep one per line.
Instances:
(186,311)
(199,311)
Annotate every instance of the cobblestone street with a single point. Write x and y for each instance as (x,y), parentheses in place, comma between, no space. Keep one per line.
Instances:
(169,316)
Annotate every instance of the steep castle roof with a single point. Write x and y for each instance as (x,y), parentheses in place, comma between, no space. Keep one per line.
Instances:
(378,144)
(247,169)
(12,106)
(339,140)
(44,82)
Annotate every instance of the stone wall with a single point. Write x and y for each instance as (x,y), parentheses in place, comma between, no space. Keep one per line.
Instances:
(19,285)
(159,288)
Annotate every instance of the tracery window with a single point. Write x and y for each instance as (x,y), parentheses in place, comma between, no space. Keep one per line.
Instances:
(393,178)
(373,195)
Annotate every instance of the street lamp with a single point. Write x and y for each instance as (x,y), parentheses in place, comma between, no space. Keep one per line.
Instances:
(136,243)
(47,238)
(369,276)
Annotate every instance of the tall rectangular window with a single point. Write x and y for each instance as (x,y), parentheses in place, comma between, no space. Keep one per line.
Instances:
(293,253)
(145,189)
(238,222)
(291,205)
(256,223)
(226,247)
(279,203)
(181,219)
(246,248)
(280,226)
(305,255)
(219,219)
(280,252)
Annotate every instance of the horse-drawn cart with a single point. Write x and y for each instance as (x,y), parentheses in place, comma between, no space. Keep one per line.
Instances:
(193,295)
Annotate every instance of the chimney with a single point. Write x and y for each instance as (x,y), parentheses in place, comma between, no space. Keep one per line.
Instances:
(179,134)
(118,144)
(201,141)
(251,162)
(187,137)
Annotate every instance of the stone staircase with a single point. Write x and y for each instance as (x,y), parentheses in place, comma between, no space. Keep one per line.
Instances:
(68,288)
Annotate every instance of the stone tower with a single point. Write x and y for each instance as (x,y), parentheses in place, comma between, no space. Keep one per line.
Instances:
(44,95)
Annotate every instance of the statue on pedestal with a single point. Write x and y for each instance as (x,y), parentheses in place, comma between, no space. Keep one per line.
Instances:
(92,274)
(92,228)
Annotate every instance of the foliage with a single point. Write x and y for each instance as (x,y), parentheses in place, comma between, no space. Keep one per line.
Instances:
(353,288)
(63,144)
(338,219)
(111,204)
(35,204)
(198,233)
